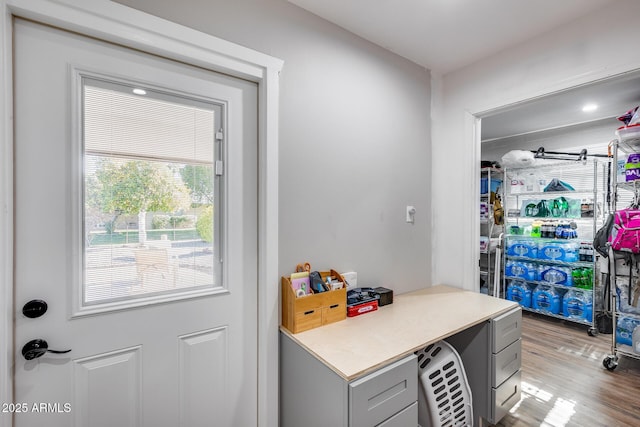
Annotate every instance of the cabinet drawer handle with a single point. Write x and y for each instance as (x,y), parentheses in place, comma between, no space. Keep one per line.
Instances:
(515,390)
(334,306)
(308,312)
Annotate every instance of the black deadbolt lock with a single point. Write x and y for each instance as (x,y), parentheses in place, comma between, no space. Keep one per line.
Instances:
(36,348)
(34,308)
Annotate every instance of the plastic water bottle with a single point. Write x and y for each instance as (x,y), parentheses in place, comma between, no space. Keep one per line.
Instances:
(523,270)
(554,274)
(588,308)
(577,304)
(577,277)
(535,229)
(636,339)
(532,271)
(582,253)
(546,299)
(522,248)
(625,329)
(519,292)
(582,277)
(552,251)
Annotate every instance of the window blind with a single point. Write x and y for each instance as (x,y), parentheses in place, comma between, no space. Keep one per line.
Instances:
(117,123)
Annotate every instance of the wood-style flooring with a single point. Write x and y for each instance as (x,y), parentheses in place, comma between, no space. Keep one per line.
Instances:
(564,382)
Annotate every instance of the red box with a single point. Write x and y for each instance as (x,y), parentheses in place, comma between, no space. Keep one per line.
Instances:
(357,310)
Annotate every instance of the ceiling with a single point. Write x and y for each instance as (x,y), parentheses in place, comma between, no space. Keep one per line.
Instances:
(613,98)
(445,35)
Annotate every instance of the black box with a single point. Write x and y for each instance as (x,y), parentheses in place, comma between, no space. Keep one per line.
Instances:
(386,296)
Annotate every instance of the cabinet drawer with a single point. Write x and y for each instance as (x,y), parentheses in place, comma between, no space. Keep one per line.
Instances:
(505,396)
(506,363)
(506,329)
(408,417)
(335,312)
(308,319)
(381,394)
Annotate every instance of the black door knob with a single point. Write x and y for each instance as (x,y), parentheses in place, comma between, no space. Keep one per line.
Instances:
(34,308)
(36,348)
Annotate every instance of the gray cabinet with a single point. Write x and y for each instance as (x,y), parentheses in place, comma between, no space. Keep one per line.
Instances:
(384,393)
(311,394)
(362,372)
(404,418)
(506,360)
(492,355)
(506,329)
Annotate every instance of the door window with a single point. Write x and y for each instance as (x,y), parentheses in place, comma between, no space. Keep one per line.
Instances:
(152,163)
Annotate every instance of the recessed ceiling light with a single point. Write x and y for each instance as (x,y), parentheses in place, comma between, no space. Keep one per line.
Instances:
(138,91)
(587,108)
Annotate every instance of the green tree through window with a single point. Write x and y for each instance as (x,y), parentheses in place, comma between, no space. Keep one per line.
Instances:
(135,187)
(199,179)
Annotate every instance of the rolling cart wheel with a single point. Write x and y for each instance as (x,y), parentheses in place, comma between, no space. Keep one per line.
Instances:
(592,332)
(610,363)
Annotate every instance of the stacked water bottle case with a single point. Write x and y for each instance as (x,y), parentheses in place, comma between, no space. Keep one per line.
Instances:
(552,213)
(551,277)
(628,316)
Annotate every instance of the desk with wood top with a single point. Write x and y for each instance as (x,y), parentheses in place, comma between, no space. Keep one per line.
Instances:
(362,371)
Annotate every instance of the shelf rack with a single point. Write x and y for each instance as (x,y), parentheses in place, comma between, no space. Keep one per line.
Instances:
(630,191)
(488,228)
(589,180)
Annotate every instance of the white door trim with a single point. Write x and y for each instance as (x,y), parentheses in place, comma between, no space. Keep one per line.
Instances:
(119,24)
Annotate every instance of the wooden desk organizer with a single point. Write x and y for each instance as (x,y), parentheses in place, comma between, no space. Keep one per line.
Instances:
(312,311)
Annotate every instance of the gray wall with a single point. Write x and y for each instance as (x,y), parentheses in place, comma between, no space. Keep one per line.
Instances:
(355,144)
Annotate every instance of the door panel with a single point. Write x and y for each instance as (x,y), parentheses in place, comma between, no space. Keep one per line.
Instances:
(203,355)
(172,362)
(114,377)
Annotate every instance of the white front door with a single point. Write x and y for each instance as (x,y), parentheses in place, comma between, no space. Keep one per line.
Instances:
(151,288)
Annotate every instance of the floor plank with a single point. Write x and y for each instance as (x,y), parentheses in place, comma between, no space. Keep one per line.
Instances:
(564,382)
